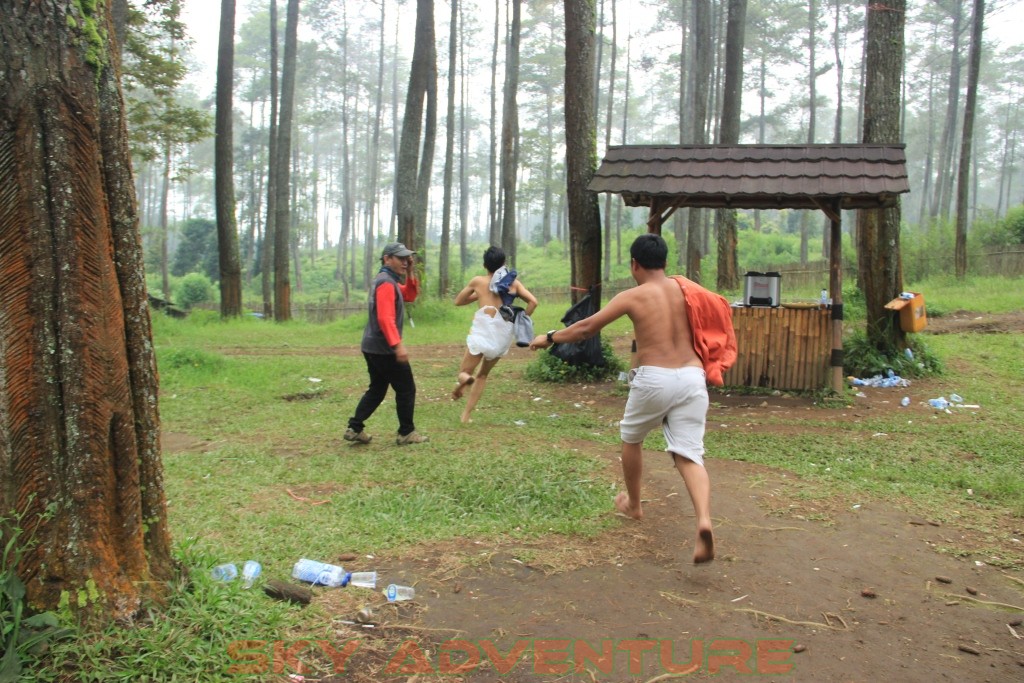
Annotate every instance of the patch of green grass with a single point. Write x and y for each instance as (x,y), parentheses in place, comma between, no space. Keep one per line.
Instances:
(945,294)
(188,639)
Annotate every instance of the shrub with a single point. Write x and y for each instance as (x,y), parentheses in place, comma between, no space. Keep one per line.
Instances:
(193,289)
(548,368)
(861,358)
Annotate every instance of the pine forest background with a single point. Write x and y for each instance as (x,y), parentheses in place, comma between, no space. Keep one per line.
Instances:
(802,83)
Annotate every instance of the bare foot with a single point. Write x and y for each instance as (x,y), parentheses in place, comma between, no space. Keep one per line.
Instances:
(704,549)
(465,379)
(623,505)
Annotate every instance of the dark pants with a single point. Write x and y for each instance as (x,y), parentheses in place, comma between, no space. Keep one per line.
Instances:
(385,370)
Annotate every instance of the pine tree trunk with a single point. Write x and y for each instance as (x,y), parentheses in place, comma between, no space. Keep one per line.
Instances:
(269,233)
(878,231)
(449,156)
(581,146)
(79,423)
(727,232)
(701,80)
(282,210)
(227,228)
(418,129)
(510,137)
(973,70)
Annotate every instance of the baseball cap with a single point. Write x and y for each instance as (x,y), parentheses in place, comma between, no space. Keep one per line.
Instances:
(397,249)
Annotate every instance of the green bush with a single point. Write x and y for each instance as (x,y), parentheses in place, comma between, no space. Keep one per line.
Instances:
(548,368)
(194,288)
(861,358)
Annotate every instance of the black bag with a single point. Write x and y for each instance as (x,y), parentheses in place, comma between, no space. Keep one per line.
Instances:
(588,351)
(522,326)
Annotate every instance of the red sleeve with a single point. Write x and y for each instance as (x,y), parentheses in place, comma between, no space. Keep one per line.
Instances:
(386,313)
(411,289)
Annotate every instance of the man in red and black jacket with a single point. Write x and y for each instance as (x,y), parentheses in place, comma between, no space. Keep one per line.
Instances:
(387,359)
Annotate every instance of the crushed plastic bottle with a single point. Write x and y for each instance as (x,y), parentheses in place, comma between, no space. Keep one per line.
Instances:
(395,593)
(362,579)
(939,403)
(250,572)
(319,573)
(224,572)
(956,398)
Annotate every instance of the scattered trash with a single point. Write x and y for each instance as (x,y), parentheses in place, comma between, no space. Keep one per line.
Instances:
(319,573)
(225,572)
(362,579)
(955,398)
(314,379)
(395,593)
(365,616)
(909,353)
(519,423)
(890,379)
(939,403)
(905,401)
(250,572)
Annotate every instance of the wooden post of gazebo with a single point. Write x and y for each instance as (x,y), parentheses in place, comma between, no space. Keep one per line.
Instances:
(835,287)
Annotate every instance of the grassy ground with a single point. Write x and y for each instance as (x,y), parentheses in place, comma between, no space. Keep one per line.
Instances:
(268,476)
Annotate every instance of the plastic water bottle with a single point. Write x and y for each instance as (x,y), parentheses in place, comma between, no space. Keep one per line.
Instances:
(250,572)
(956,398)
(824,297)
(319,573)
(909,353)
(225,572)
(395,592)
(939,403)
(905,401)
(362,579)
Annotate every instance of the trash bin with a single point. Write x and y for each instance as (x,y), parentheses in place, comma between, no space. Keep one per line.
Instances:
(913,316)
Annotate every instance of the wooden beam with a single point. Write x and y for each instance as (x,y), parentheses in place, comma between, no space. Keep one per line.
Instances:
(835,285)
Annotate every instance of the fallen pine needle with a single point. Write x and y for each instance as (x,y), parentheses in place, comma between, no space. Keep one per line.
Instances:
(306,500)
(672,597)
(665,677)
(1003,605)
(766,615)
(405,627)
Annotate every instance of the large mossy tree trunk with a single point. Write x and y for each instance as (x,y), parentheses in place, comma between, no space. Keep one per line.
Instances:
(79,423)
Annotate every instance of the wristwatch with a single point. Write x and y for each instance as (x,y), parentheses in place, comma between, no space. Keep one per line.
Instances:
(551,336)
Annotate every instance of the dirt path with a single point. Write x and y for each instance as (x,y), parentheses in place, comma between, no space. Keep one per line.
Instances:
(862,597)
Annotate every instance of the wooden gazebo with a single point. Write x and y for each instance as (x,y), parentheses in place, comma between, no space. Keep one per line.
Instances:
(829,178)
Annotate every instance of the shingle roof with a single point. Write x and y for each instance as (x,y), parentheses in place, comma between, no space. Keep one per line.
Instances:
(755,176)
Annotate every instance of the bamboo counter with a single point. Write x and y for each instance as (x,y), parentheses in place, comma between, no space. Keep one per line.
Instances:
(782,348)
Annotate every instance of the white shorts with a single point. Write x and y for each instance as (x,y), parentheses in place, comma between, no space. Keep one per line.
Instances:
(490,335)
(674,398)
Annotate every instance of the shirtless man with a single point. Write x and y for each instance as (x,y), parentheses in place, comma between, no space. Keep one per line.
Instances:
(490,337)
(667,387)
